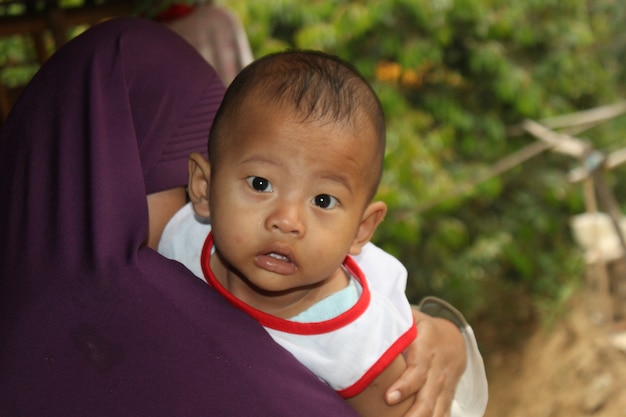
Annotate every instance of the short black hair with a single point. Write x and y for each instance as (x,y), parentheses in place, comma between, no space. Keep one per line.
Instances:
(318,86)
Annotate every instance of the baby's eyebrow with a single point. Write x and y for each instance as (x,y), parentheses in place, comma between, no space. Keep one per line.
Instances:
(258,159)
(338,178)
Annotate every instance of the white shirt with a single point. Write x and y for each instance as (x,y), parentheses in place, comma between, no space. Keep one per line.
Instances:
(347,351)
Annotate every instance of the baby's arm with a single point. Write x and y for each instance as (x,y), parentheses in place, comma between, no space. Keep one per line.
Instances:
(371,401)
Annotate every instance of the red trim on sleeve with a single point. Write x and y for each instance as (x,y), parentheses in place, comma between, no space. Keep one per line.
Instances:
(281,324)
(383,362)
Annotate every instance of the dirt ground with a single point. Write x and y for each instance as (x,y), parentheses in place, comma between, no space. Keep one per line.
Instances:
(573,368)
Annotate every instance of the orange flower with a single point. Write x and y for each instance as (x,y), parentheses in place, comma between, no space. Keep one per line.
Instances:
(388,71)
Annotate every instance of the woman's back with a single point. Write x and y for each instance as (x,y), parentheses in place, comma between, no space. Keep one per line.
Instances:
(92,321)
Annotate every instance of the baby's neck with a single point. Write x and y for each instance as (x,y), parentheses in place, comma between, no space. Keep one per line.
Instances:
(283,304)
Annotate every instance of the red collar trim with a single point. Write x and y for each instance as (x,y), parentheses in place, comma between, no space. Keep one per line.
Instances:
(281,324)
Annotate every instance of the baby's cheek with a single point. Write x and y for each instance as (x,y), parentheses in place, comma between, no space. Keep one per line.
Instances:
(239,239)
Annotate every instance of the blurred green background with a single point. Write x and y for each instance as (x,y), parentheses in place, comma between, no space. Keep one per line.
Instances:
(454,77)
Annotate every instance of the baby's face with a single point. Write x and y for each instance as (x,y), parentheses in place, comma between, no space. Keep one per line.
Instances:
(287,197)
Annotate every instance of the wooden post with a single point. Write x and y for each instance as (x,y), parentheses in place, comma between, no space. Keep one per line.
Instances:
(596,268)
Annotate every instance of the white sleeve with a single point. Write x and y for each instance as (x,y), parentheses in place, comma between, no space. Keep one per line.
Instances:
(384,273)
(472,393)
(183,238)
(387,275)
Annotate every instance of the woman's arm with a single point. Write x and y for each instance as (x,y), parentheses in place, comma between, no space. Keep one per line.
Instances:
(444,366)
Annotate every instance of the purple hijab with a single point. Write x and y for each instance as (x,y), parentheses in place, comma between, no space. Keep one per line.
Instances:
(92,322)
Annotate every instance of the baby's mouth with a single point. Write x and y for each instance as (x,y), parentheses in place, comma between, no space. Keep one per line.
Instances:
(279,257)
(276,262)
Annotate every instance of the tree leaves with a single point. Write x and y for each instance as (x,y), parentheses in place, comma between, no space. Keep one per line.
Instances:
(452,75)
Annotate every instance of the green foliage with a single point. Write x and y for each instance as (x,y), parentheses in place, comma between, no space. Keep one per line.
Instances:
(452,76)
(18,59)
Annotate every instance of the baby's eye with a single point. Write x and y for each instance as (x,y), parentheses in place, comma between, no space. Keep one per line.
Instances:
(260,184)
(325,201)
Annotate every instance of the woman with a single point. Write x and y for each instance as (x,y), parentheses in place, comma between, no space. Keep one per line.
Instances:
(93,321)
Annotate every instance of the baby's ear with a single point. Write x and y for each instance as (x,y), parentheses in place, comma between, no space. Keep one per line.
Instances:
(372,217)
(198,185)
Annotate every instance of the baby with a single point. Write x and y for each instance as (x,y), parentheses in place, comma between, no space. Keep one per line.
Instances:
(295,157)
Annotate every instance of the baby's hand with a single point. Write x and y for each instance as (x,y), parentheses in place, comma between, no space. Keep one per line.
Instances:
(435,362)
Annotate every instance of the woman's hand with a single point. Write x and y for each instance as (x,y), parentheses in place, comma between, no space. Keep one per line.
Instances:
(435,362)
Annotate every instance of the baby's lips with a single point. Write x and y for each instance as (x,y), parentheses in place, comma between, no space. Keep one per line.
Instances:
(276,263)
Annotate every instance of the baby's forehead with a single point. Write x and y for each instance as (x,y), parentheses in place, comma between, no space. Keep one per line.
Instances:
(357,118)
(358,125)
(338,144)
